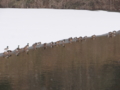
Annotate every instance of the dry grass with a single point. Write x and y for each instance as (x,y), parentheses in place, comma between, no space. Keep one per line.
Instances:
(110,5)
(91,64)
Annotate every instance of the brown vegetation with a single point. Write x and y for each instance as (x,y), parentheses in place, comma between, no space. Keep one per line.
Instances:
(89,65)
(110,5)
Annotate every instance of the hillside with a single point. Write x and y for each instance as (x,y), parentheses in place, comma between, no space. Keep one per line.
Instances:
(86,65)
(110,5)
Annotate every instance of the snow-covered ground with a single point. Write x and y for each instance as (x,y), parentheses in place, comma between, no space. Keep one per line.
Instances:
(22,26)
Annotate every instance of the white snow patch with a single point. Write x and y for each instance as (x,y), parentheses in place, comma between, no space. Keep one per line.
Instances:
(22,26)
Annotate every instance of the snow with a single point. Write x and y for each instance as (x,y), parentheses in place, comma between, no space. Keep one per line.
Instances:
(22,26)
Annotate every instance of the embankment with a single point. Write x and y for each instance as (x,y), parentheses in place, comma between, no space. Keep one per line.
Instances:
(86,65)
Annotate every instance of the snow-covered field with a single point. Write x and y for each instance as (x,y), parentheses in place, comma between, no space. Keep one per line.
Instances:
(22,26)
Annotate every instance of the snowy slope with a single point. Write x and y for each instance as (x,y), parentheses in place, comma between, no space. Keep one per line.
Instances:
(22,26)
